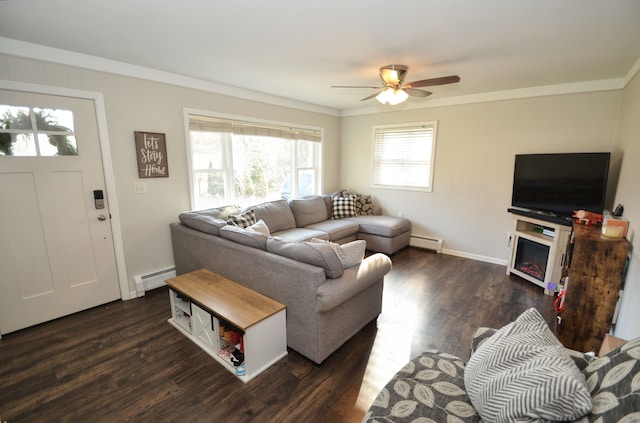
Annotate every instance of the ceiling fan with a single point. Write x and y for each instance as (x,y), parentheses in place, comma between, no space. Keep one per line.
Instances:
(395,91)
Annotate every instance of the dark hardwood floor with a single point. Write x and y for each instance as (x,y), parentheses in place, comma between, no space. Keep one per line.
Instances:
(124,362)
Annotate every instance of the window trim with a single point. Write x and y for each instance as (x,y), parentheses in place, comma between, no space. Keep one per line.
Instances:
(400,127)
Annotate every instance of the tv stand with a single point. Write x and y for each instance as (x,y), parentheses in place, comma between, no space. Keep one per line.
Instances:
(547,217)
(538,250)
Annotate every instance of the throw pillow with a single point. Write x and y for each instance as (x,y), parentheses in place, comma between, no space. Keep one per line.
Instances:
(364,205)
(243,220)
(343,207)
(350,253)
(523,373)
(260,227)
(614,383)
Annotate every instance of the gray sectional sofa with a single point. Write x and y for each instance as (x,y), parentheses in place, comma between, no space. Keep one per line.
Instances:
(327,303)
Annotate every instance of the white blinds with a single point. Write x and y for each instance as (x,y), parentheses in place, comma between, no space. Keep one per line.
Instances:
(403,155)
(212,124)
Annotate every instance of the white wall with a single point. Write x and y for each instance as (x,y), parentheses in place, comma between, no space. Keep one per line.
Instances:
(473,171)
(476,145)
(628,143)
(134,104)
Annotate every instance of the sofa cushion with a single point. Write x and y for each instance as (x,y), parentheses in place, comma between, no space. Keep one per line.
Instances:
(276,214)
(309,210)
(523,373)
(247,237)
(614,383)
(343,207)
(336,229)
(299,234)
(242,220)
(387,226)
(202,222)
(320,255)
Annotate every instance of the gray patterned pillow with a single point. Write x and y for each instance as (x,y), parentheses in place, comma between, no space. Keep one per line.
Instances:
(614,383)
(523,373)
(364,205)
(350,253)
(430,388)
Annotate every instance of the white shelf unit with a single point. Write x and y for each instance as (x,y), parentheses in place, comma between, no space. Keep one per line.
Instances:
(180,311)
(264,342)
(528,229)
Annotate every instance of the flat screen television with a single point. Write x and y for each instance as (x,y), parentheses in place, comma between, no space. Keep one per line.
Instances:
(558,184)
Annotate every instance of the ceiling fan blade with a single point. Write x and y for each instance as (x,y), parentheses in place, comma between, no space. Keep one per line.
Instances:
(416,93)
(354,86)
(434,81)
(370,97)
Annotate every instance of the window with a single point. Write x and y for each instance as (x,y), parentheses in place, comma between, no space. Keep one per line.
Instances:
(31,131)
(241,162)
(403,156)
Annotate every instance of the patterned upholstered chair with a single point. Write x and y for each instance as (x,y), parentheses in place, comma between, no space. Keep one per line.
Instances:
(431,387)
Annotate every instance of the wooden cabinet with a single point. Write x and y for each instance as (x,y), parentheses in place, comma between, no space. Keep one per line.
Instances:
(538,250)
(207,307)
(595,279)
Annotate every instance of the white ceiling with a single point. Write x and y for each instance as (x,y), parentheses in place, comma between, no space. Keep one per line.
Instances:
(298,49)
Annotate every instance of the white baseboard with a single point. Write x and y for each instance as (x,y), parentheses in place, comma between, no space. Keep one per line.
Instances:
(478,257)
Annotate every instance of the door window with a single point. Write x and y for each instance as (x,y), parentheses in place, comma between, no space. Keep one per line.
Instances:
(33,131)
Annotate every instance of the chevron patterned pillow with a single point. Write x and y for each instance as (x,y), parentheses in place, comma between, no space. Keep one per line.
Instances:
(350,253)
(524,374)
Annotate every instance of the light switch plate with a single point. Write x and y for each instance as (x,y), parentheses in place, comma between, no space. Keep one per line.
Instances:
(139,188)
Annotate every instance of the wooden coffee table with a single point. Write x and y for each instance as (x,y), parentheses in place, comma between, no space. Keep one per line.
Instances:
(203,302)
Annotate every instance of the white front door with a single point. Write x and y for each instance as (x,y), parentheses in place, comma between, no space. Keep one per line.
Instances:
(57,253)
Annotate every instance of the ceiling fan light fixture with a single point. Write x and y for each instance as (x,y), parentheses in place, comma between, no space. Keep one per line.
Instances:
(392,96)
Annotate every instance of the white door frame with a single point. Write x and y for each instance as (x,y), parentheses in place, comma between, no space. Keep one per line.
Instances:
(107,164)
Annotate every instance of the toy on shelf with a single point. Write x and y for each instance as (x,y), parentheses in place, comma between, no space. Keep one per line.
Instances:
(588,218)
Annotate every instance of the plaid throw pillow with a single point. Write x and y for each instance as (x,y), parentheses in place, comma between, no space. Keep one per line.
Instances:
(343,207)
(243,220)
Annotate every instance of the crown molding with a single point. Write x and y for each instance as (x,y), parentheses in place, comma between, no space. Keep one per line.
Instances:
(541,91)
(39,52)
(54,55)
(632,72)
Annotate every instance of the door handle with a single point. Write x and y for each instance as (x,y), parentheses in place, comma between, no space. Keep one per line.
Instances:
(102,217)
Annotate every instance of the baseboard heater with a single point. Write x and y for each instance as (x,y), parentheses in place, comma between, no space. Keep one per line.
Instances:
(152,280)
(429,243)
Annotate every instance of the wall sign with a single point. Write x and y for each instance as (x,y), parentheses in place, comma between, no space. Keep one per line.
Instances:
(151,152)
